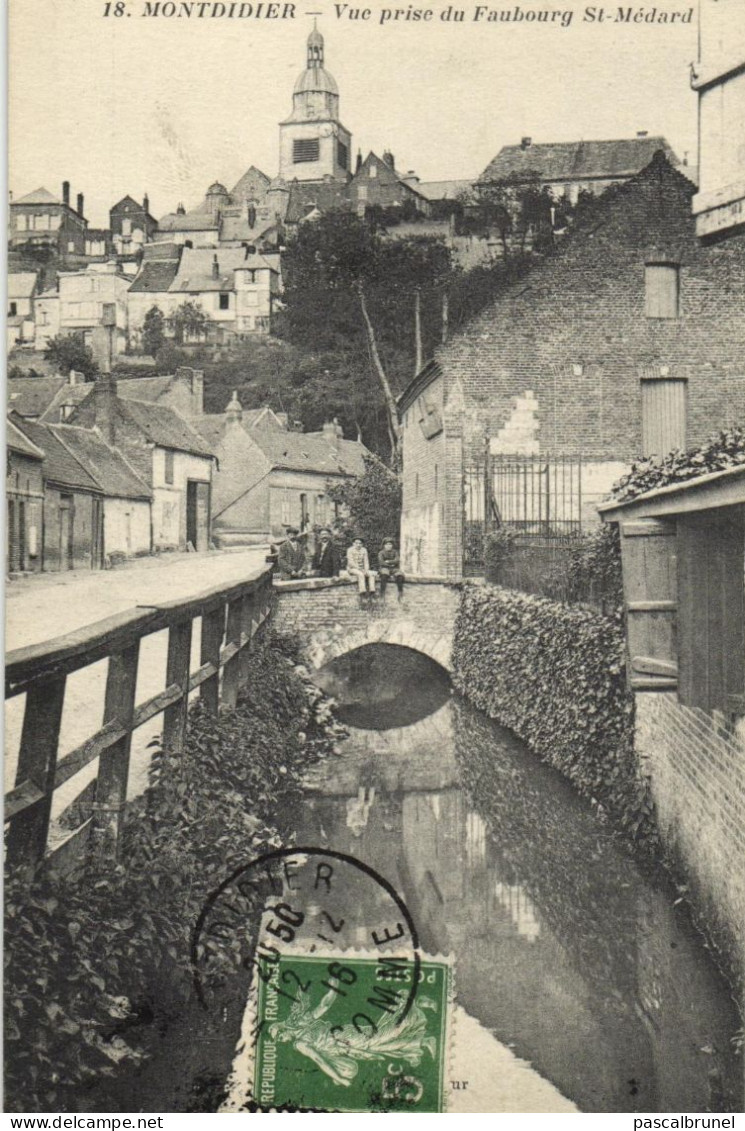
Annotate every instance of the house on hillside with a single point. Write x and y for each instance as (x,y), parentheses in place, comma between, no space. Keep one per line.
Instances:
(377,184)
(31,396)
(95,505)
(628,341)
(168,455)
(22,287)
(570,167)
(269,478)
(41,219)
(131,225)
(93,303)
(24,492)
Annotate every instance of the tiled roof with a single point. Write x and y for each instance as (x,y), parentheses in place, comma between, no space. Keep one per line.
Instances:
(21,284)
(155,277)
(443,190)
(211,426)
(326,196)
(195,221)
(129,388)
(161,249)
(572,160)
(298,451)
(166,428)
(237,228)
(18,441)
(29,396)
(60,465)
(105,464)
(38,196)
(195,269)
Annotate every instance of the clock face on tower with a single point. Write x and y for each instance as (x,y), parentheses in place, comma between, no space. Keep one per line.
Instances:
(328,131)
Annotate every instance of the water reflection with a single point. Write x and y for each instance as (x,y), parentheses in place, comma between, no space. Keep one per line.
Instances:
(565,952)
(373,686)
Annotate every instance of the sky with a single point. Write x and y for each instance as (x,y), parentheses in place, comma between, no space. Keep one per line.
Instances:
(166,105)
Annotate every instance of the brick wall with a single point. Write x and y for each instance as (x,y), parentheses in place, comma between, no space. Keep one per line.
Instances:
(330,620)
(55,553)
(696,763)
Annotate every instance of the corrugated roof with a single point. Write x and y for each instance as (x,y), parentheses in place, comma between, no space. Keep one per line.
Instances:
(18,441)
(60,465)
(166,428)
(21,284)
(30,396)
(572,160)
(155,277)
(299,451)
(38,196)
(105,464)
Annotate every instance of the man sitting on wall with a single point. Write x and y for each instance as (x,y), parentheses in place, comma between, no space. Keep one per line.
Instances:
(325,563)
(389,567)
(291,556)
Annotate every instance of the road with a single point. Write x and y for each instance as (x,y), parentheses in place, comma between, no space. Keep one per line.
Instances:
(48,605)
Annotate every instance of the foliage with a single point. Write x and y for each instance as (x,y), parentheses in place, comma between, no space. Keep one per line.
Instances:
(555,675)
(373,502)
(723,450)
(153,331)
(498,546)
(18,371)
(188,321)
(98,963)
(515,208)
(69,351)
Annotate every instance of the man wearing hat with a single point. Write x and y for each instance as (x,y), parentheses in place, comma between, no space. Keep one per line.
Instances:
(389,567)
(325,563)
(291,556)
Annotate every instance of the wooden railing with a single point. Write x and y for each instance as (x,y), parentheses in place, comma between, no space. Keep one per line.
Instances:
(231,616)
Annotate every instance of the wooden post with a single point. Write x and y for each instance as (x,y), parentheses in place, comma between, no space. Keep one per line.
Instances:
(113,767)
(177,671)
(248,605)
(213,630)
(418,329)
(231,671)
(27,835)
(445,316)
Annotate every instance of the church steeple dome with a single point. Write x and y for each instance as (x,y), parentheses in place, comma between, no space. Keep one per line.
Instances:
(316,94)
(315,48)
(314,145)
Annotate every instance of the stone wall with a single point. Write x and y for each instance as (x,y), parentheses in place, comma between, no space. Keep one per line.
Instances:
(330,618)
(696,763)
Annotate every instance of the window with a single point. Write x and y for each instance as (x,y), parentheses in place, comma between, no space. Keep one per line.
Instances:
(661,290)
(342,155)
(12,309)
(320,515)
(21,224)
(224,302)
(663,415)
(373,171)
(285,509)
(305,149)
(168,469)
(71,245)
(126,227)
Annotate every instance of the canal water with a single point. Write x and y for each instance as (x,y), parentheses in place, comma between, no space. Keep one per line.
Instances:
(580,981)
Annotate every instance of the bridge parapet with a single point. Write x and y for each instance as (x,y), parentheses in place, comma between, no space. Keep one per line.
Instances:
(330,619)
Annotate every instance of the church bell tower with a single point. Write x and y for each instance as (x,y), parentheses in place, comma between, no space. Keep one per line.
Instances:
(313,144)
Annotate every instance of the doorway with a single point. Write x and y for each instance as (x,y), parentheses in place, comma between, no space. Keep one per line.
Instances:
(192,525)
(66,532)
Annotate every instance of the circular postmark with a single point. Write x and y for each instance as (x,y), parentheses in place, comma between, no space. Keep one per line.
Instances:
(334,966)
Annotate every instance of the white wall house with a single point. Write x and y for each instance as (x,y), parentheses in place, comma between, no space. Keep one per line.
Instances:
(94,299)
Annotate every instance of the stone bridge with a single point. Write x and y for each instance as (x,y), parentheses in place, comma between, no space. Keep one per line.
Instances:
(330,618)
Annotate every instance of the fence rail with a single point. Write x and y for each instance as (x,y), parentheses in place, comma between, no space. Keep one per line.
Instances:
(230,615)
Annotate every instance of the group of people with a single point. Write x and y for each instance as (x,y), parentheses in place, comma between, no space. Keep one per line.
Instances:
(291,560)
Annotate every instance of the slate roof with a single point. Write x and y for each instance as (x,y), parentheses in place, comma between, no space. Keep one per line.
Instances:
(442,190)
(211,426)
(161,249)
(575,160)
(60,465)
(237,228)
(326,196)
(38,196)
(18,441)
(298,451)
(195,269)
(195,221)
(155,277)
(105,464)
(166,428)
(128,388)
(30,396)
(21,284)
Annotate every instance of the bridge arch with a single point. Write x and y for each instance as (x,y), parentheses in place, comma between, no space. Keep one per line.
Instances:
(330,620)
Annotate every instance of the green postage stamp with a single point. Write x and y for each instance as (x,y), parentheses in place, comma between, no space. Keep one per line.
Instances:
(352,1033)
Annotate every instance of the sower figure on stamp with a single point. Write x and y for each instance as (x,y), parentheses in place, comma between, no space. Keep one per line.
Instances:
(325,563)
(291,557)
(358,566)
(389,567)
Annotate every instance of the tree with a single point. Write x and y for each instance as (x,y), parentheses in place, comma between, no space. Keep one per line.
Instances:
(373,503)
(153,331)
(188,321)
(69,351)
(515,207)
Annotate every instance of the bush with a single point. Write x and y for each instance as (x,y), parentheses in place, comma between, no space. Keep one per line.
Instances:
(724,450)
(555,675)
(97,964)
(498,547)
(373,503)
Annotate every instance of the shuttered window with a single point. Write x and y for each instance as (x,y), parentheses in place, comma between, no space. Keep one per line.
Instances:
(663,415)
(649,583)
(711,617)
(305,149)
(662,290)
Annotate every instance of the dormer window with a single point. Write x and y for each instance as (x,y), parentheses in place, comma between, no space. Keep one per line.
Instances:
(661,290)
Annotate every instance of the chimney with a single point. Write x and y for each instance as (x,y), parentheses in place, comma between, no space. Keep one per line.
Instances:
(146,203)
(526,142)
(642,133)
(234,410)
(389,159)
(197,392)
(104,406)
(358,166)
(332,431)
(66,193)
(215,268)
(180,210)
(80,204)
